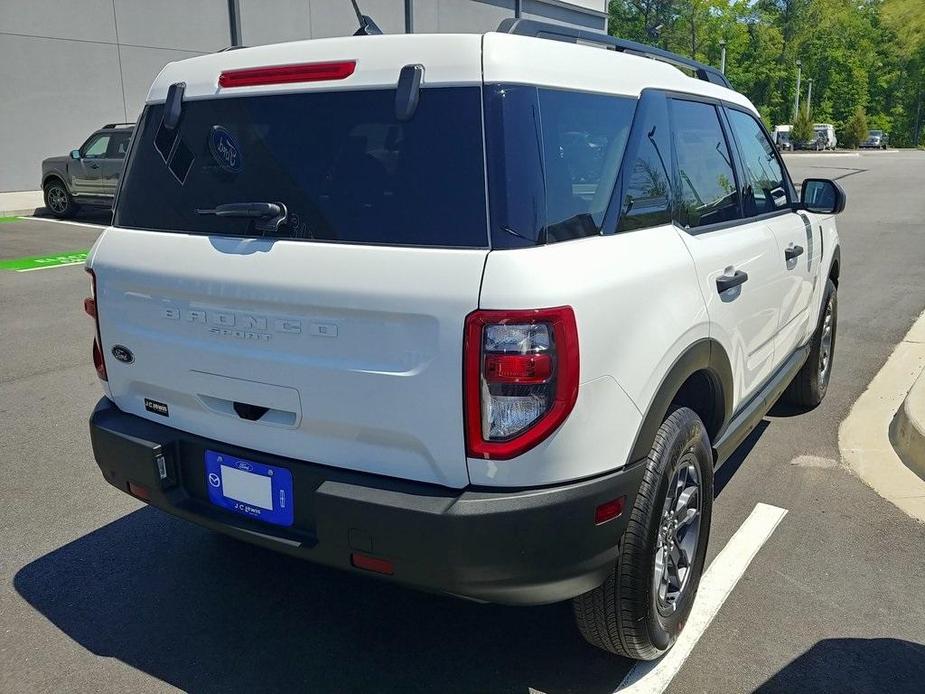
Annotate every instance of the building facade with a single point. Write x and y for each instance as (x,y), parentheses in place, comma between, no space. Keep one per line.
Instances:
(68,67)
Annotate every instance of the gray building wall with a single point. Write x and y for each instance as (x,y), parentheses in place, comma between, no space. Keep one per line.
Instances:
(68,67)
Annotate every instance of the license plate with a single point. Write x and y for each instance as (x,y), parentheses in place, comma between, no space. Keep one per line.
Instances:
(255,490)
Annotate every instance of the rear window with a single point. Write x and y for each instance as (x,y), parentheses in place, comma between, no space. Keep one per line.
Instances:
(344,167)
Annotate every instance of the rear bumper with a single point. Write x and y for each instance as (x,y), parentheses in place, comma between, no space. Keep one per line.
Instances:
(516,547)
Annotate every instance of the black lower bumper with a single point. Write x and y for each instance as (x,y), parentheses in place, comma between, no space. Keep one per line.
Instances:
(516,547)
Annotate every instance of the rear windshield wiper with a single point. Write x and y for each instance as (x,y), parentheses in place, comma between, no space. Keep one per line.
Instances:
(269,216)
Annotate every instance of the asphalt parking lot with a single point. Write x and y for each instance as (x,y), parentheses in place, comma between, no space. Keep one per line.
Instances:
(101,593)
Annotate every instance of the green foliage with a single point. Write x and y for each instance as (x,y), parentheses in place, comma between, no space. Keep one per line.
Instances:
(803,127)
(866,54)
(855,130)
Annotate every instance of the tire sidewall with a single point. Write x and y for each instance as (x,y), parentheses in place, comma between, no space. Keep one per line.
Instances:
(55,183)
(663,630)
(831,295)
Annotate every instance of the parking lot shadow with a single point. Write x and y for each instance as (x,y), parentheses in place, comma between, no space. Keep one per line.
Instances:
(206,613)
(847,665)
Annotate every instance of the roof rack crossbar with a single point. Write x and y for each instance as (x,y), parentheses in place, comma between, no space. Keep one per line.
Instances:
(558,32)
(113,125)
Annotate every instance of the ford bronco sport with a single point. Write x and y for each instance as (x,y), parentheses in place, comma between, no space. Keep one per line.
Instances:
(88,176)
(478,314)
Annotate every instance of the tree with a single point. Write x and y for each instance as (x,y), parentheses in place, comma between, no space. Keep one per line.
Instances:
(855,130)
(802,128)
(866,54)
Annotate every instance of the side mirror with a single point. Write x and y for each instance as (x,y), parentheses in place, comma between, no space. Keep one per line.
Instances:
(822,196)
(75,154)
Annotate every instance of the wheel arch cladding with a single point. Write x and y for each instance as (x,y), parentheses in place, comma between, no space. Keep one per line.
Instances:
(701,379)
(835,267)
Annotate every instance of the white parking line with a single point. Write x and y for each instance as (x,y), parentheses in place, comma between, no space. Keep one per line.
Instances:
(51,267)
(64,221)
(715,586)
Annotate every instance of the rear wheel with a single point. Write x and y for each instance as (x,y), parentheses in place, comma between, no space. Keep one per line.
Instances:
(643,605)
(809,386)
(58,201)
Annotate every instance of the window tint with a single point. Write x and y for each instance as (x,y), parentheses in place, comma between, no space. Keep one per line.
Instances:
(118,145)
(764,189)
(705,181)
(646,190)
(97,147)
(341,162)
(553,160)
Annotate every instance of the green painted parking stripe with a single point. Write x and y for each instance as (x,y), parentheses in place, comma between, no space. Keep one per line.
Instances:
(7,220)
(40,262)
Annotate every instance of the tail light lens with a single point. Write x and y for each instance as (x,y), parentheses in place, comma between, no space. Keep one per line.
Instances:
(521,378)
(287,74)
(91,310)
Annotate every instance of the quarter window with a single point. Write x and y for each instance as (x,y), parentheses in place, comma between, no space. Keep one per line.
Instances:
(764,189)
(646,193)
(705,180)
(553,160)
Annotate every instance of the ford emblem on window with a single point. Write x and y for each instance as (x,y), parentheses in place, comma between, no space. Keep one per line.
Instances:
(225,149)
(123,354)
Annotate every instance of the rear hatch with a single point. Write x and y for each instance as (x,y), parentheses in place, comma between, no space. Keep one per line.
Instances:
(335,336)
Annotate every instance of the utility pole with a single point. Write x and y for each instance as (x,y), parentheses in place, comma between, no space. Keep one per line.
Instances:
(809,98)
(796,96)
(409,16)
(722,57)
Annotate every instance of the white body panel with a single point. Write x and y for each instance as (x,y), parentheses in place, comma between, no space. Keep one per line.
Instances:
(634,318)
(744,319)
(356,350)
(450,59)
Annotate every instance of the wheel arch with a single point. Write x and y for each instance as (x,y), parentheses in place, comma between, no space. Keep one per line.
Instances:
(835,266)
(700,378)
(55,174)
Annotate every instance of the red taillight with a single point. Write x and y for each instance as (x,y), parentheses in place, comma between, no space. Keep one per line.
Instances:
(609,510)
(520,378)
(139,491)
(517,368)
(368,563)
(287,74)
(90,309)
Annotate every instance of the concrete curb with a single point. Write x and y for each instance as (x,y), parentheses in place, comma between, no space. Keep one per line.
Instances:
(26,212)
(19,203)
(908,430)
(864,437)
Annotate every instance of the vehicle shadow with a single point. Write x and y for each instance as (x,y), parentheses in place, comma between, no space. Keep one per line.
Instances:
(725,472)
(204,613)
(853,665)
(88,215)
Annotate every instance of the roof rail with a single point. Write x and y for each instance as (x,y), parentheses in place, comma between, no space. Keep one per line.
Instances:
(558,32)
(115,125)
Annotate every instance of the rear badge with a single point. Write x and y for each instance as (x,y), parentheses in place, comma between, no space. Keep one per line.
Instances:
(123,354)
(156,407)
(225,150)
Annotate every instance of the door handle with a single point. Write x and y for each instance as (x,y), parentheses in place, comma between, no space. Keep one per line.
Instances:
(725,282)
(793,252)
(94,166)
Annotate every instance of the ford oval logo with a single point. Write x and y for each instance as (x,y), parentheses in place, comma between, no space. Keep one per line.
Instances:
(123,354)
(225,149)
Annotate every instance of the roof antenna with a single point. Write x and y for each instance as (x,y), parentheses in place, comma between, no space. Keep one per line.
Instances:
(367,26)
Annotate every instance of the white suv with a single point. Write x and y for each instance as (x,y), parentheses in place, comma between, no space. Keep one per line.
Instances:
(478,314)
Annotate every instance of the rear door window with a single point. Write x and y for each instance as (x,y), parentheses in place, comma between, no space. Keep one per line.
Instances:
(705,182)
(343,165)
